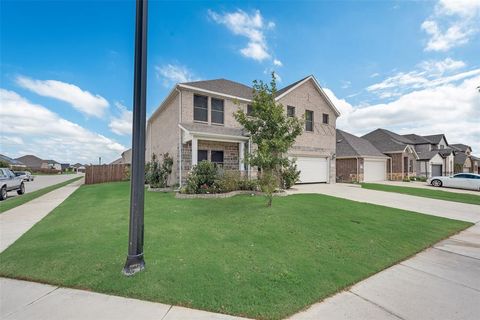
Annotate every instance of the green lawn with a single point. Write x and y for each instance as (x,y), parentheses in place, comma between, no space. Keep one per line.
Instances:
(232,255)
(18,200)
(427,193)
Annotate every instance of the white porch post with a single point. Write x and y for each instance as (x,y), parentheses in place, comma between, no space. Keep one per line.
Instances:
(194,151)
(241,154)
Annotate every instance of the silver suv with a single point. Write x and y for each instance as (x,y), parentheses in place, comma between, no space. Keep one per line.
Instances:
(10,182)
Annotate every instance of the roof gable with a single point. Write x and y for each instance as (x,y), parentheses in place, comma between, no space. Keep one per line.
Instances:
(349,145)
(222,86)
(436,138)
(387,141)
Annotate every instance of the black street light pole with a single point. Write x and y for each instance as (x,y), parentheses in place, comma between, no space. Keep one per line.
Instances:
(135,262)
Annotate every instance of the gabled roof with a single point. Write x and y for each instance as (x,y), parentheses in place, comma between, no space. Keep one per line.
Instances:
(387,141)
(31,161)
(446,152)
(460,147)
(460,158)
(349,145)
(435,138)
(222,86)
(50,161)
(416,139)
(10,161)
(427,155)
(290,86)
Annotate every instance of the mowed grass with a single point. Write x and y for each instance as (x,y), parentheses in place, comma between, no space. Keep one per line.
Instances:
(426,193)
(233,256)
(11,203)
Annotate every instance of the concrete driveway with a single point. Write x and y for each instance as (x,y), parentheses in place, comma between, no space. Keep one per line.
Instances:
(441,208)
(424,185)
(44,181)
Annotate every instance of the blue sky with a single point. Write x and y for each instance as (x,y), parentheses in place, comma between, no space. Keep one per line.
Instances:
(67,66)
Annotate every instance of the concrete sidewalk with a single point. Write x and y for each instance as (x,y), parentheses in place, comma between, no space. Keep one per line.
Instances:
(440,208)
(442,282)
(15,222)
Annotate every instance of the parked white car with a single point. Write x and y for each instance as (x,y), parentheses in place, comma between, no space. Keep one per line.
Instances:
(10,182)
(460,180)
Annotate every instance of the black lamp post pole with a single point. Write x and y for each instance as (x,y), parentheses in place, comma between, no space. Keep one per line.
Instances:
(135,262)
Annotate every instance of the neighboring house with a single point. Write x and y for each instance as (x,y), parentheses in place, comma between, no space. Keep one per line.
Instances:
(400,150)
(195,122)
(65,166)
(435,157)
(118,161)
(12,162)
(464,161)
(358,160)
(476,164)
(31,161)
(127,157)
(78,167)
(51,164)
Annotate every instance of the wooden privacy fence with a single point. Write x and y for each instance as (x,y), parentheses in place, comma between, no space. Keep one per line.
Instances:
(107,173)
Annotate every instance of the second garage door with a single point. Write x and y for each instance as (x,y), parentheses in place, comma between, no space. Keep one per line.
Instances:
(312,169)
(374,170)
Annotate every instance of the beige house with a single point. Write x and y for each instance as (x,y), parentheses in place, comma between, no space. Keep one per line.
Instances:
(195,122)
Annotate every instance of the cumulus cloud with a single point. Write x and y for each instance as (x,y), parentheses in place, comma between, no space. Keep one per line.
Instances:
(251,26)
(450,108)
(122,124)
(171,74)
(277,63)
(49,136)
(83,101)
(452,24)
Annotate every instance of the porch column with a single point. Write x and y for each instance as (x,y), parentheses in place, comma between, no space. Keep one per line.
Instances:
(241,154)
(194,151)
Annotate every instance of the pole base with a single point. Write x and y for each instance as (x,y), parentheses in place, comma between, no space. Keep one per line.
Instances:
(133,265)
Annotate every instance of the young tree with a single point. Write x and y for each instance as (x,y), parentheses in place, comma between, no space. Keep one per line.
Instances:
(273,133)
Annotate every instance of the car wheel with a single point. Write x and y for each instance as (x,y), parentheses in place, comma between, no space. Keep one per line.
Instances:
(3,193)
(436,183)
(22,189)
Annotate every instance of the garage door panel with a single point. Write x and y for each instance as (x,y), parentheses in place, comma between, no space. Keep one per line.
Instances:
(312,169)
(374,170)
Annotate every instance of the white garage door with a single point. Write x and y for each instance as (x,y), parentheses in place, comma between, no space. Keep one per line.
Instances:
(312,169)
(374,170)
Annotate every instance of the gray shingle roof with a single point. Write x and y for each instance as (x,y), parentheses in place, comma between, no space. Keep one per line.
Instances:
(460,147)
(434,138)
(445,152)
(416,139)
(10,160)
(460,158)
(31,161)
(427,155)
(198,127)
(349,145)
(224,86)
(387,141)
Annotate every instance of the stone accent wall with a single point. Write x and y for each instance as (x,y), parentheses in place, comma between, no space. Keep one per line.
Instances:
(347,170)
(397,172)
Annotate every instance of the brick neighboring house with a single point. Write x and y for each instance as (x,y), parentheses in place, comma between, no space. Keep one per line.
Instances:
(358,160)
(464,160)
(400,150)
(435,157)
(195,122)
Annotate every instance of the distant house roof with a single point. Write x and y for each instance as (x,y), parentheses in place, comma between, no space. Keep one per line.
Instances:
(51,161)
(31,161)
(460,147)
(435,138)
(77,165)
(387,141)
(214,130)
(445,152)
(118,161)
(460,158)
(349,145)
(427,155)
(11,161)
(224,86)
(416,139)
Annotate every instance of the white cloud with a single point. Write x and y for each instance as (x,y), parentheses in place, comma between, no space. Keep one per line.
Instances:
(122,125)
(428,73)
(453,23)
(49,136)
(277,63)
(450,108)
(252,26)
(83,101)
(172,74)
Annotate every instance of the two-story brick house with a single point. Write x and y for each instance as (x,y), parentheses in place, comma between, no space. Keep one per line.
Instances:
(195,122)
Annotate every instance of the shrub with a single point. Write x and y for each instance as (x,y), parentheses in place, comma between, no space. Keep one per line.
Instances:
(201,178)
(289,175)
(228,181)
(406,179)
(248,185)
(157,173)
(419,178)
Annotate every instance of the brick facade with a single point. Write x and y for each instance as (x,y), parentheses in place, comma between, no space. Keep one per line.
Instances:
(398,171)
(349,170)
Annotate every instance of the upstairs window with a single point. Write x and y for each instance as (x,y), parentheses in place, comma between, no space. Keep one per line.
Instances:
(291,111)
(308,120)
(249,109)
(200,108)
(217,111)
(325,118)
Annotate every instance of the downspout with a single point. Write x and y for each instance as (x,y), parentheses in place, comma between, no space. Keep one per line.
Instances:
(180,145)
